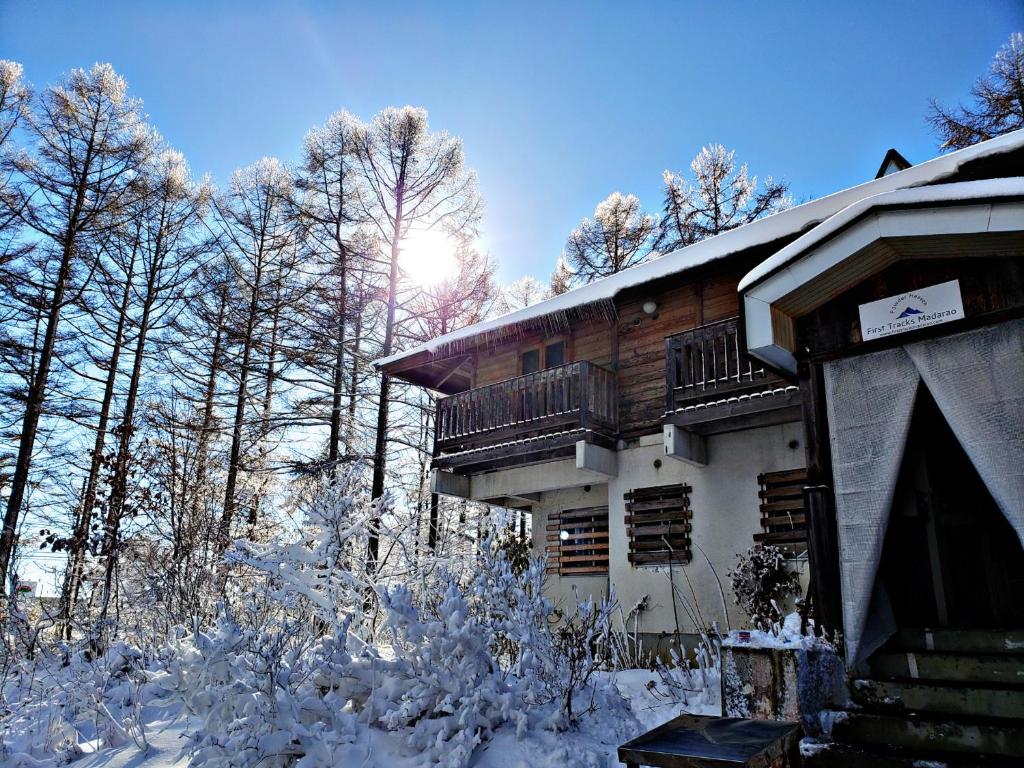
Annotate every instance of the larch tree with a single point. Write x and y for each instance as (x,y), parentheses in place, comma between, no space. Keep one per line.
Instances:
(255,221)
(416,180)
(616,238)
(998,98)
(14,106)
(110,314)
(562,278)
(169,206)
(521,293)
(721,197)
(90,141)
(330,206)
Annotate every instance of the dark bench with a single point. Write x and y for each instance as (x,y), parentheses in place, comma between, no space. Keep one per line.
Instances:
(691,741)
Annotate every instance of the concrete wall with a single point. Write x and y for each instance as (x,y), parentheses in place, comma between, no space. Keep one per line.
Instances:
(726,515)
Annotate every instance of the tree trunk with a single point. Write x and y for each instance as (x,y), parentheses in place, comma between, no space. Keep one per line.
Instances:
(224,530)
(380,443)
(202,450)
(333,450)
(80,536)
(119,489)
(33,412)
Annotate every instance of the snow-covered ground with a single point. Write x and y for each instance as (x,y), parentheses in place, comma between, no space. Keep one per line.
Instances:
(593,743)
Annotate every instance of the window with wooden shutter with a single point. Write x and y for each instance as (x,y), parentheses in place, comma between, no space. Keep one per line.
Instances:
(783,518)
(577,542)
(658,524)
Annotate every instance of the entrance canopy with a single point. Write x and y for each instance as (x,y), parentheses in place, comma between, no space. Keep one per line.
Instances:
(864,239)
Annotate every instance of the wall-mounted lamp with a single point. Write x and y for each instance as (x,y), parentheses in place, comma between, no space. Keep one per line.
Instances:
(650,307)
(563,535)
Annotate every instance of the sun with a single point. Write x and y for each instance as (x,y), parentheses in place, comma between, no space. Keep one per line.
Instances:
(428,257)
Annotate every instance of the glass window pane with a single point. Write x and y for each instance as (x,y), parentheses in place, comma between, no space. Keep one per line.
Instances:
(531,361)
(554,354)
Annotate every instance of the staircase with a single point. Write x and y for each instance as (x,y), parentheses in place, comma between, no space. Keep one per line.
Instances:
(934,697)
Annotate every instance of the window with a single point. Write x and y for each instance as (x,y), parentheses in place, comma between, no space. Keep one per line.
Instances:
(577,542)
(550,355)
(658,524)
(530,361)
(783,518)
(554,354)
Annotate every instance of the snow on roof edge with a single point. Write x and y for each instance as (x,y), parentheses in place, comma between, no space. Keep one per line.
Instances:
(756,233)
(1010,186)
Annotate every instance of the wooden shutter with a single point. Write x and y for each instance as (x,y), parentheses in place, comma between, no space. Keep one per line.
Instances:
(658,524)
(585,551)
(783,518)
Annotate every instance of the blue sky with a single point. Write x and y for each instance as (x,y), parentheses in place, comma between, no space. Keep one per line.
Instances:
(558,104)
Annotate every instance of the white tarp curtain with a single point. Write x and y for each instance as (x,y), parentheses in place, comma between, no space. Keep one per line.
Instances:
(870,401)
(977,380)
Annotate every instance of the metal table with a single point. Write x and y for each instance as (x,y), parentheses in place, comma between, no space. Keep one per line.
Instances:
(691,741)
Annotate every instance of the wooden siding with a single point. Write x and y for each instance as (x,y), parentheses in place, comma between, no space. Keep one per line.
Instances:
(593,343)
(991,288)
(641,368)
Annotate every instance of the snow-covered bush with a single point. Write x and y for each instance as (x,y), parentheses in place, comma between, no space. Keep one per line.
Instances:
(293,671)
(53,706)
(261,697)
(761,582)
(319,574)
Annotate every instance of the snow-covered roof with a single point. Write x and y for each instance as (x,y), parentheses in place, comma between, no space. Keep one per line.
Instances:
(963,191)
(779,225)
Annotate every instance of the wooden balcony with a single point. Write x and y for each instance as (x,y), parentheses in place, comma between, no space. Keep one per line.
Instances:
(530,418)
(712,385)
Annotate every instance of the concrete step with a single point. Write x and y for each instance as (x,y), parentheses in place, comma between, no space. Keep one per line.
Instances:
(926,735)
(958,640)
(848,756)
(924,665)
(955,699)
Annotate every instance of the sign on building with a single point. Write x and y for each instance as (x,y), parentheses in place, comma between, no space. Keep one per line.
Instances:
(912,310)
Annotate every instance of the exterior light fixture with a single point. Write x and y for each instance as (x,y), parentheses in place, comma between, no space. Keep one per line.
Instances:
(650,307)
(563,535)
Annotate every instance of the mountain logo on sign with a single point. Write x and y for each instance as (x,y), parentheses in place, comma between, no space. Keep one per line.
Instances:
(910,311)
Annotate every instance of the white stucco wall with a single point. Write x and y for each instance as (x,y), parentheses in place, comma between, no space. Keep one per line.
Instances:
(726,515)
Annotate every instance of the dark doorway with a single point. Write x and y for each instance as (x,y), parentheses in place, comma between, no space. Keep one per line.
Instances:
(951,558)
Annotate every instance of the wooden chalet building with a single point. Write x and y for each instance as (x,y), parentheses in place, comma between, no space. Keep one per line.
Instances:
(673,414)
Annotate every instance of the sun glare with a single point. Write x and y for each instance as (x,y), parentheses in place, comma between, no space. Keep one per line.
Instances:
(428,258)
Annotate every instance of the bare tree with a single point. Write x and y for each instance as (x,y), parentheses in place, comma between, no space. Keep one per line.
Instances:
(524,292)
(90,143)
(256,225)
(168,205)
(722,197)
(562,278)
(618,237)
(332,213)
(416,180)
(998,102)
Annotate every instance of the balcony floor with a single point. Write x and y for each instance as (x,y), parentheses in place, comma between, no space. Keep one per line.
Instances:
(524,451)
(748,410)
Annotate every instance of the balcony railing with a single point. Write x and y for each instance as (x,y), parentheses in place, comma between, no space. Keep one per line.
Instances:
(710,362)
(578,395)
